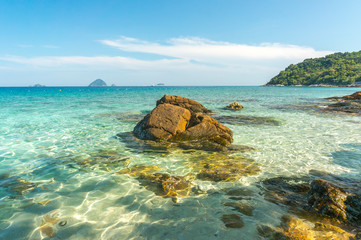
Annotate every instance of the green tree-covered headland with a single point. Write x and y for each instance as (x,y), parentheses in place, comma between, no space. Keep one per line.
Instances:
(338,69)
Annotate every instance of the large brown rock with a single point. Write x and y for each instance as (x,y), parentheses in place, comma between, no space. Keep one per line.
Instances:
(164,122)
(191,105)
(182,121)
(206,128)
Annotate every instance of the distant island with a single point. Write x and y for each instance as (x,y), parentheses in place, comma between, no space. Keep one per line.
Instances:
(338,69)
(159,85)
(98,83)
(38,85)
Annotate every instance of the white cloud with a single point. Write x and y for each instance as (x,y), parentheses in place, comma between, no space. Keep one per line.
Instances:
(100,61)
(222,53)
(187,61)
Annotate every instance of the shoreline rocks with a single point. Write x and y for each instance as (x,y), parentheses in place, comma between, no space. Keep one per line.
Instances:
(349,104)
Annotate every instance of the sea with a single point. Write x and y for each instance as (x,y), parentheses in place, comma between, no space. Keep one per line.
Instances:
(60,157)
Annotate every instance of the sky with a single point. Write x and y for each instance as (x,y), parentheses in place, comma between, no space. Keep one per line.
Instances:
(188,42)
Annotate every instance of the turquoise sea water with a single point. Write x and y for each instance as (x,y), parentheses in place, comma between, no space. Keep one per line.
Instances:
(55,144)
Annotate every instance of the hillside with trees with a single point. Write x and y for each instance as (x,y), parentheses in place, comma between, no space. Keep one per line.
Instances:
(339,69)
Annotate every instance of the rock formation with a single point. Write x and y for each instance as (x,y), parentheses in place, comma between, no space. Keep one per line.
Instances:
(184,121)
(234,106)
(349,104)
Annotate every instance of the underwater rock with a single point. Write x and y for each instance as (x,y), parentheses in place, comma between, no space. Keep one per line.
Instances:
(103,159)
(47,224)
(164,122)
(220,167)
(232,221)
(138,170)
(188,128)
(191,105)
(17,185)
(44,203)
(162,184)
(137,145)
(234,106)
(241,207)
(165,185)
(247,120)
(240,194)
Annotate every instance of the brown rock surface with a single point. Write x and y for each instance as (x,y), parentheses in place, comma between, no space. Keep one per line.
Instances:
(327,199)
(164,122)
(206,128)
(189,129)
(234,106)
(183,102)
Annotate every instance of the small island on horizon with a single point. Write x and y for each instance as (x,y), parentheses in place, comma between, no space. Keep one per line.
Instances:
(334,70)
(98,83)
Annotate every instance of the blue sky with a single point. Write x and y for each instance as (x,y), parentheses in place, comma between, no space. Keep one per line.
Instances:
(199,42)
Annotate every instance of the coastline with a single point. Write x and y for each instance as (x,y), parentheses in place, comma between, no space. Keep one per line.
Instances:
(313,85)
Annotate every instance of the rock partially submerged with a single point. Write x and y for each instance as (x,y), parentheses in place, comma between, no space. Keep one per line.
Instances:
(354,96)
(164,122)
(322,197)
(349,104)
(184,121)
(234,106)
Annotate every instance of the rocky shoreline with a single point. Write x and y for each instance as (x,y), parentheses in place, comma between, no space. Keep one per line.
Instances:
(312,85)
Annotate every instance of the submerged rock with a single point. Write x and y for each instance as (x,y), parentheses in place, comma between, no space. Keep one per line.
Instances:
(247,120)
(103,159)
(139,170)
(161,184)
(17,185)
(234,106)
(166,185)
(220,167)
(48,224)
(183,121)
(232,221)
(241,207)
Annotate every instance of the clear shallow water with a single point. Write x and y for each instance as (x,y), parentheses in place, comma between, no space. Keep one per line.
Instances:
(50,138)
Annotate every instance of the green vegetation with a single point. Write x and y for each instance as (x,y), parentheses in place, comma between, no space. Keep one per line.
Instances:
(334,69)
